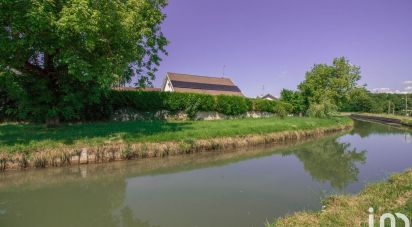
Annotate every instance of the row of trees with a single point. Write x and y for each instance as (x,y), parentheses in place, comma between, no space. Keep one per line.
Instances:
(59,57)
(331,88)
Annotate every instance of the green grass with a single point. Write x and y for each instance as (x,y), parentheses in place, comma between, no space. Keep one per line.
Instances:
(393,196)
(30,137)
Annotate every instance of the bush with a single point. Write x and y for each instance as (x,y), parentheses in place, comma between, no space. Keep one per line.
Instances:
(265,105)
(4,105)
(192,103)
(281,109)
(189,102)
(322,110)
(153,101)
(232,105)
(11,99)
(140,100)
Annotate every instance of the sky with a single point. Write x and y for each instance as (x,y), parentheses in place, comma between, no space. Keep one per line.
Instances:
(267,45)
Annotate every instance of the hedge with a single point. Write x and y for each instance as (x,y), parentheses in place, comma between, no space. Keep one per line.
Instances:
(153,101)
(192,103)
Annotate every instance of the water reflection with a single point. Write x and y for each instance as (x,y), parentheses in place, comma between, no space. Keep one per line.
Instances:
(365,129)
(232,188)
(127,219)
(330,161)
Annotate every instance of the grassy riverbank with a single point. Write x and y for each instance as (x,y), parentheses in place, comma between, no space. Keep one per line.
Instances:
(23,146)
(27,137)
(393,196)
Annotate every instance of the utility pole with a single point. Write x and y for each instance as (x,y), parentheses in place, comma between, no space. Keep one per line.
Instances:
(263,90)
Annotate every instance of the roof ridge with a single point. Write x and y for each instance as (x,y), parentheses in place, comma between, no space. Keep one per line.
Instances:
(200,76)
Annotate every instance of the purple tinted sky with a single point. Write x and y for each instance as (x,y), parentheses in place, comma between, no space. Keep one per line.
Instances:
(274,42)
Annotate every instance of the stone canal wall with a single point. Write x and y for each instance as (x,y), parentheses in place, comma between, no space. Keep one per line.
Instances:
(381,119)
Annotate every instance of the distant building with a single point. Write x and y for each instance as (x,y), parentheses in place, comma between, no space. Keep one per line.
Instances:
(175,82)
(268,97)
(136,89)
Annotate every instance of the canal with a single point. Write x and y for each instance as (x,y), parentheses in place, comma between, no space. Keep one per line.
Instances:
(231,188)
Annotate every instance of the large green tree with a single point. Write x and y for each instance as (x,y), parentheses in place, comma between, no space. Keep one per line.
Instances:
(331,83)
(66,54)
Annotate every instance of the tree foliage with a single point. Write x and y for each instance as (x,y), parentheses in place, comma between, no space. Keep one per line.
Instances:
(294,98)
(359,100)
(326,89)
(332,82)
(66,54)
(323,109)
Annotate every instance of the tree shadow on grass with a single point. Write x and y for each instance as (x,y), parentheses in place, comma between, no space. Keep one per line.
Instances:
(24,134)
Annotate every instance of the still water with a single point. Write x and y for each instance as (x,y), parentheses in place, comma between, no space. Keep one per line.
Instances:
(233,188)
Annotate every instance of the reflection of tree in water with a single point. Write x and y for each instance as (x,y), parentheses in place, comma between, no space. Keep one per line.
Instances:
(127,219)
(329,160)
(80,203)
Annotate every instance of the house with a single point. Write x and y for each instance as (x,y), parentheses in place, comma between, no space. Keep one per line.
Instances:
(136,89)
(268,97)
(176,82)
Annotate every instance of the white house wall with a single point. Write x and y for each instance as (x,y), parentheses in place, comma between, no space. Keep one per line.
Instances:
(168,85)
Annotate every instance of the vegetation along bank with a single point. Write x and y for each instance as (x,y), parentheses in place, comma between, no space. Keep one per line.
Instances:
(393,196)
(384,118)
(32,145)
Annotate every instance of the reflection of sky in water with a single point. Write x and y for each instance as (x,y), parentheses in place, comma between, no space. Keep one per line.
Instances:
(211,189)
(408,138)
(386,154)
(246,192)
(225,196)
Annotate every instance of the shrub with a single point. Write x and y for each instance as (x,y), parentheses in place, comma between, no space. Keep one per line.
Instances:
(231,105)
(265,105)
(322,110)
(281,109)
(11,99)
(174,101)
(137,100)
(250,104)
(191,103)
(198,102)
(153,101)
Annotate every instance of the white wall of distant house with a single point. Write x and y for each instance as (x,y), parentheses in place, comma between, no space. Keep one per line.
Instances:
(168,85)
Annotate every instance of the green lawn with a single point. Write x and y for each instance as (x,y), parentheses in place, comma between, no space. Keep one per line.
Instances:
(26,137)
